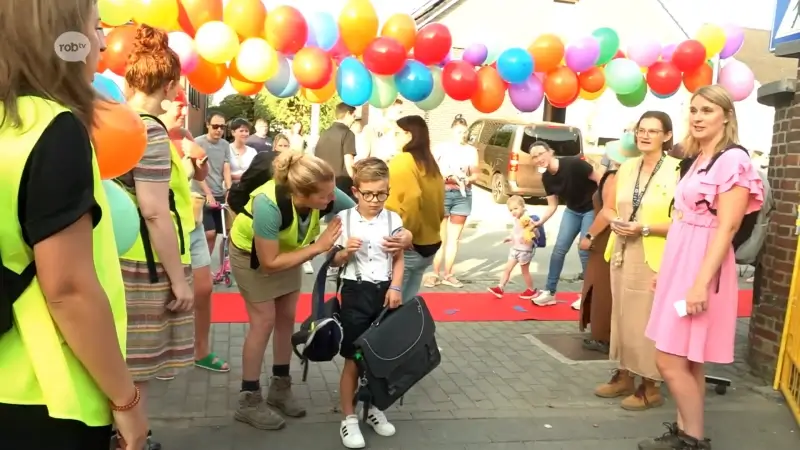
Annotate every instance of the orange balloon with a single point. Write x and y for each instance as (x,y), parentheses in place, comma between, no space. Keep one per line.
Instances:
(208,78)
(592,80)
(358,25)
(491,91)
(101,64)
(547,51)
(119,45)
(192,14)
(241,84)
(119,137)
(702,76)
(561,86)
(245,17)
(401,28)
(312,67)
(322,94)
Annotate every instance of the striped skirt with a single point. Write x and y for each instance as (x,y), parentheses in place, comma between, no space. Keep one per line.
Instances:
(160,342)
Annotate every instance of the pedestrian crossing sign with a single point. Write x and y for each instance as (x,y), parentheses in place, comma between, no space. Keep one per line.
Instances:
(785,23)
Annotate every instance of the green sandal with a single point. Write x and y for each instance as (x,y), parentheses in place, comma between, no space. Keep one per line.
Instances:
(212,363)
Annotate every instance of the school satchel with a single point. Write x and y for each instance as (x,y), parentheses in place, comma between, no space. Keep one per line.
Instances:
(320,336)
(397,351)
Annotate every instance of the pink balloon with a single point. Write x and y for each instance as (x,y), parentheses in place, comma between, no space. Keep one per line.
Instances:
(734,38)
(737,79)
(183,46)
(644,51)
(667,51)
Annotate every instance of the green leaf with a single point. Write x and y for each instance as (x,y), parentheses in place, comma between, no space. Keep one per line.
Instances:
(236,105)
(285,112)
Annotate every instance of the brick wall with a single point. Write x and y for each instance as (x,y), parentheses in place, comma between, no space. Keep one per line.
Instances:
(774,276)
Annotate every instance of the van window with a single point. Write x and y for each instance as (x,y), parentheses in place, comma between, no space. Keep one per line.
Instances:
(563,140)
(503,136)
(474,132)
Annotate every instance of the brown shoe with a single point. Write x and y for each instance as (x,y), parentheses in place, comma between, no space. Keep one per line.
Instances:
(621,383)
(254,412)
(647,396)
(280,397)
(667,441)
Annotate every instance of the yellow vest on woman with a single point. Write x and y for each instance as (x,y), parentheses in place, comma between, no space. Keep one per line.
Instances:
(655,207)
(288,239)
(36,365)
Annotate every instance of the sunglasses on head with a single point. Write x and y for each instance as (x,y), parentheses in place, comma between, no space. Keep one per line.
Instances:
(217,126)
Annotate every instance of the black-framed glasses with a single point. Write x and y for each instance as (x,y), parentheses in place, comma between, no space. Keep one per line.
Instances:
(374,196)
(218,126)
(644,132)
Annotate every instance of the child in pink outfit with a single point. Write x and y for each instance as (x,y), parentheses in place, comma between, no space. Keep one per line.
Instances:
(521,251)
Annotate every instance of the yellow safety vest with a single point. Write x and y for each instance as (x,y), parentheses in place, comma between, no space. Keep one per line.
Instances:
(655,208)
(182,214)
(36,365)
(288,239)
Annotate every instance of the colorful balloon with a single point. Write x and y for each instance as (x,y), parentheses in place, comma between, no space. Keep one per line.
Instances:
(257,61)
(323,31)
(193,14)
(515,65)
(119,138)
(689,55)
(124,216)
(245,17)
(312,67)
(183,46)
(339,51)
(402,28)
(286,29)
(635,98)
(437,95)
(561,86)
(283,84)
(216,42)
(623,76)
(592,80)
(644,51)
(608,40)
(353,82)
(432,44)
(737,79)
(322,94)
(459,80)
(667,51)
(414,81)
(358,25)
(207,77)
(491,91)
(734,39)
(241,83)
(476,54)
(156,13)
(663,78)
(384,91)
(547,51)
(695,79)
(590,96)
(384,56)
(582,54)
(119,45)
(116,12)
(662,96)
(712,37)
(528,95)
(107,88)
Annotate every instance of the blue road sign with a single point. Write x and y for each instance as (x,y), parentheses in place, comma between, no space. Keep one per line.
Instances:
(785,23)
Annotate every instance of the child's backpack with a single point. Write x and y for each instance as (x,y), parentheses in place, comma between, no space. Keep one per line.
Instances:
(12,286)
(319,338)
(540,239)
(749,239)
(259,172)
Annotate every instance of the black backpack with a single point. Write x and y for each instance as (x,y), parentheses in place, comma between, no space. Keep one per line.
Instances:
(12,286)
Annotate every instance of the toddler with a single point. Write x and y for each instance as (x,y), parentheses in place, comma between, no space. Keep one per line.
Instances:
(522,241)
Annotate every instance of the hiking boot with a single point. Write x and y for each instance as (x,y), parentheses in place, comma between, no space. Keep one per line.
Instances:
(667,441)
(690,443)
(280,396)
(647,395)
(254,412)
(621,383)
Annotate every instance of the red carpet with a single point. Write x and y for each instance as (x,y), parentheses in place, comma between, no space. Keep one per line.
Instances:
(452,307)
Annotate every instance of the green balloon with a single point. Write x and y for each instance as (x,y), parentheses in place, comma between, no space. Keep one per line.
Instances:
(433,101)
(623,76)
(635,98)
(384,91)
(609,44)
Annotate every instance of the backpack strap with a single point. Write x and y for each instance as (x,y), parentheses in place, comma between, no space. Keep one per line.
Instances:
(12,286)
(347,235)
(708,167)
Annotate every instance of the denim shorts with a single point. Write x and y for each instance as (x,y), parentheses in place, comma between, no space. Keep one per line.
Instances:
(198,247)
(456,204)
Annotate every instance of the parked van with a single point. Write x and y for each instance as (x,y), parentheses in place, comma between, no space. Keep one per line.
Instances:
(506,167)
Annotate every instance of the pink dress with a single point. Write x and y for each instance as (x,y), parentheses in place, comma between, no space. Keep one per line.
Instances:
(706,337)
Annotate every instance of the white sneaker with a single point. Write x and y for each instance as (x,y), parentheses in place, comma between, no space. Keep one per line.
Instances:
(377,420)
(351,433)
(576,305)
(308,268)
(545,298)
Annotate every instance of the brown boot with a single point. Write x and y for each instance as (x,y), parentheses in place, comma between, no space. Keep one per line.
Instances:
(647,395)
(621,383)
(280,397)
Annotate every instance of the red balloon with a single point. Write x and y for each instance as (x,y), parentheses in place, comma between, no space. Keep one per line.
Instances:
(459,80)
(695,79)
(592,80)
(566,103)
(286,30)
(384,56)
(619,54)
(339,51)
(119,45)
(491,91)
(663,78)
(312,68)
(432,44)
(561,86)
(689,55)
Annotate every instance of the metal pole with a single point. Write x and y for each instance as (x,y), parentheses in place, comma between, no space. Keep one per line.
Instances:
(716,61)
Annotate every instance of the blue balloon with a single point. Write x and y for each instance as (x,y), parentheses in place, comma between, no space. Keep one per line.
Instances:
(414,81)
(353,82)
(283,84)
(124,217)
(323,31)
(515,65)
(662,96)
(108,88)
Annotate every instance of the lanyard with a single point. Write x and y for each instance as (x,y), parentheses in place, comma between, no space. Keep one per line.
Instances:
(639,195)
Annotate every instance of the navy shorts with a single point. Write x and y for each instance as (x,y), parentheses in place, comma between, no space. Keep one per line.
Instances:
(362,303)
(456,204)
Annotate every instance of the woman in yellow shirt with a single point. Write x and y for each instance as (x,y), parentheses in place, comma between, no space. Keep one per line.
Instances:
(416,194)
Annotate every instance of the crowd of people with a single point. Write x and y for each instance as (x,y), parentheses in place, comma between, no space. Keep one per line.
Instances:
(81,345)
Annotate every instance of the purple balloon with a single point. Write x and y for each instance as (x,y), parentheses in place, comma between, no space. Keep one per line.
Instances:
(734,38)
(528,95)
(582,54)
(667,51)
(737,79)
(644,51)
(475,54)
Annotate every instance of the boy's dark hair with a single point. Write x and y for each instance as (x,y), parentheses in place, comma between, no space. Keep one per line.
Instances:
(368,170)
(239,123)
(343,109)
(542,144)
(214,113)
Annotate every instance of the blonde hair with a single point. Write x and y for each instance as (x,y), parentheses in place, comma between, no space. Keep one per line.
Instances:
(368,170)
(515,200)
(301,172)
(719,96)
(30,66)
(279,137)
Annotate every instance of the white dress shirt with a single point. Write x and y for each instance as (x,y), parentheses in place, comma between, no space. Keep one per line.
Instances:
(370,262)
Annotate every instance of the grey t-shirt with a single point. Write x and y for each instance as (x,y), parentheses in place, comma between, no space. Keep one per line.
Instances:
(218,154)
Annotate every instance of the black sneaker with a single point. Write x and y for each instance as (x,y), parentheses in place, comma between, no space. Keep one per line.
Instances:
(690,443)
(671,440)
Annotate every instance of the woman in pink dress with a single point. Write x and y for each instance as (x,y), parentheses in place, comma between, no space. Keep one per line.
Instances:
(699,264)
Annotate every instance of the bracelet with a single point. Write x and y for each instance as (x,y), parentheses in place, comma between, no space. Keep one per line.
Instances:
(395,288)
(137,397)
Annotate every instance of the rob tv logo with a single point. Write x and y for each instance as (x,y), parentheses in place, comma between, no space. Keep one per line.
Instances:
(72,47)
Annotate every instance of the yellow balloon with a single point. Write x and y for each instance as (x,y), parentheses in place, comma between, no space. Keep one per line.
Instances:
(322,94)
(713,39)
(116,12)
(216,42)
(156,13)
(257,61)
(358,25)
(591,95)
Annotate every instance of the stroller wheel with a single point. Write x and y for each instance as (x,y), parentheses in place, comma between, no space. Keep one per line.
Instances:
(228,281)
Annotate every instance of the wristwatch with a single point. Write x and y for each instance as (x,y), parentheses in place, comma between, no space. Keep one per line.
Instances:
(645,231)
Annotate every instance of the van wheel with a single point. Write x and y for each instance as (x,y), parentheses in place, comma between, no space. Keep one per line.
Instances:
(499,189)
